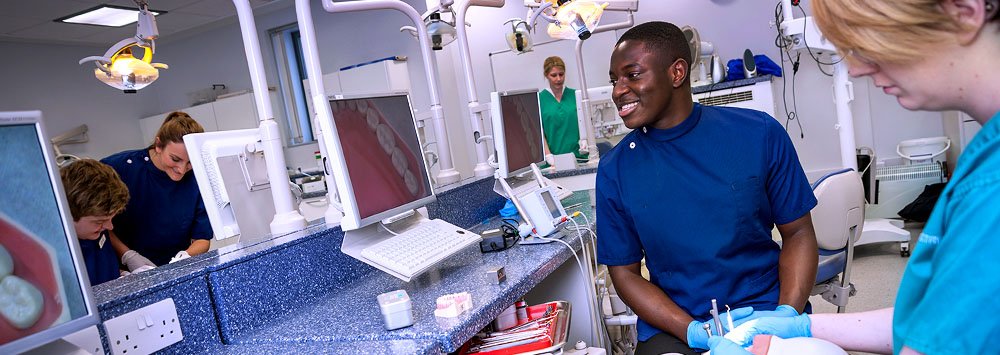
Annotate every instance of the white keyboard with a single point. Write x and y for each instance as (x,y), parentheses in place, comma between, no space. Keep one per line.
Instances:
(414,251)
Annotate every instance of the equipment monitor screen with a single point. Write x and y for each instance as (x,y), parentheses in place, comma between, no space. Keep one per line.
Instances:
(382,152)
(44,289)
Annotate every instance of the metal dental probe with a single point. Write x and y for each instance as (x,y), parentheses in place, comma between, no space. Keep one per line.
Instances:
(715,317)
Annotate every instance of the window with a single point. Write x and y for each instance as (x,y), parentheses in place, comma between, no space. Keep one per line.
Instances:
(291,71)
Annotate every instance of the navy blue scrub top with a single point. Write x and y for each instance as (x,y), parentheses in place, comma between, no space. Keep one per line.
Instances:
(699,201)
(162,215)
(101,260)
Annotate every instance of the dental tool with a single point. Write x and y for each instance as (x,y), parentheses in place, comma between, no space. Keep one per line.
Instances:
(715,318)
(708,329)
(729,317)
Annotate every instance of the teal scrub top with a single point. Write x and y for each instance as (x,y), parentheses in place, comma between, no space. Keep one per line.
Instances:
(559,122)
(947,300)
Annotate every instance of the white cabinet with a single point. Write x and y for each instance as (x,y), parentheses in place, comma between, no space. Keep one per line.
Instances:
(381,77)
(234,112)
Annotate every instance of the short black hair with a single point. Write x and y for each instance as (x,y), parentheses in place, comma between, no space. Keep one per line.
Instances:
(662,38)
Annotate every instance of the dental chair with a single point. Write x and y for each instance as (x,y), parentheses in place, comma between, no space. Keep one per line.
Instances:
(838,219)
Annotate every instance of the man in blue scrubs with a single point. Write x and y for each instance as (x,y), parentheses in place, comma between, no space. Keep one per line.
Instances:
(696,190)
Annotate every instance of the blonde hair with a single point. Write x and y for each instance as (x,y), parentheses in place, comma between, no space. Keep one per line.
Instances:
(553,62)
(93,189)
(897,31)
(174,128)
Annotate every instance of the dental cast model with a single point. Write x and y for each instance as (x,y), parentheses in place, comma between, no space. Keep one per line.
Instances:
(452,305)
(20,301)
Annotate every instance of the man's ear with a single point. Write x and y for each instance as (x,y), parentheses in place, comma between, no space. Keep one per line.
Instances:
(678,72)
(971,16)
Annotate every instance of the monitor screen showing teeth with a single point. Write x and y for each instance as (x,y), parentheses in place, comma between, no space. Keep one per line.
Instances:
(6,263)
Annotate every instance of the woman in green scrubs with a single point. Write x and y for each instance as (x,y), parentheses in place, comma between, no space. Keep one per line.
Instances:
(558,106)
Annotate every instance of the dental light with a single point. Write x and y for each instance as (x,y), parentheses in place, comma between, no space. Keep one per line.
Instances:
(119,68)
(568,19)
(519,37)
(441,32)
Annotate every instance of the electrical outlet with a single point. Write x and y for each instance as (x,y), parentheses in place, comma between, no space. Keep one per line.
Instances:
(145,330)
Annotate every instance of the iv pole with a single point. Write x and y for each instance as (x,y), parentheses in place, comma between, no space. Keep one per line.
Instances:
(287,219)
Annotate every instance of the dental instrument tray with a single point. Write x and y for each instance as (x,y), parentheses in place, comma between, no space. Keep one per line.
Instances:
(545,331)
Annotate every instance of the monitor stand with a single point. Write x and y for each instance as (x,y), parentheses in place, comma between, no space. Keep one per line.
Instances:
(357,240)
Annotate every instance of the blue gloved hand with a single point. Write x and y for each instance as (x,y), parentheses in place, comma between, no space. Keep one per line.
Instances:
(722,346)
(698,338)
(782,311)
(784,327)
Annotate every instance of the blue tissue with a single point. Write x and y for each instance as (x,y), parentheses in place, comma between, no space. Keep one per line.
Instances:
(509,210)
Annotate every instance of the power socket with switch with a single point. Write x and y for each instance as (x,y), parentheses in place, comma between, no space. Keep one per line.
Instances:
(145,330)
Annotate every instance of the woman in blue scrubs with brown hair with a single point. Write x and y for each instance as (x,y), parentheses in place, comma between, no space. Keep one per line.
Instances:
(165,217)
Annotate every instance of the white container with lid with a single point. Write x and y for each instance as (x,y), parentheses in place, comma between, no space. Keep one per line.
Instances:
(397,310)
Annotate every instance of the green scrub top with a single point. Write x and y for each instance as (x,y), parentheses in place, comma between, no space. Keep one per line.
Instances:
(947,298)
(559,122)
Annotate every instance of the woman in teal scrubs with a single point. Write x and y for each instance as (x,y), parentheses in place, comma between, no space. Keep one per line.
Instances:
(558,105)
(933,55)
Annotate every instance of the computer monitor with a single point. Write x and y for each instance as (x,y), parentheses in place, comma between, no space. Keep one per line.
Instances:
(603,113)
(42,265)
(232,178)
(517,131)
(383,160)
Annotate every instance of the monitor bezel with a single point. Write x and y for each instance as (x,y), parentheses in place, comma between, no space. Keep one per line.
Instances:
(499,137)
(196,142)
(348,200)
(92,317)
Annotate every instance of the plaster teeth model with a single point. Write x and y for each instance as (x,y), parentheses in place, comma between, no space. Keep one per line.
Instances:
(411,182)
(372,118)
(398,160)
(385,138)
(20,302)
(6,263)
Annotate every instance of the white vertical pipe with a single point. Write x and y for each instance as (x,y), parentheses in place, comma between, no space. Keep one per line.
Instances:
(447,174)
(287,219)
(327,133)
(843,94)
(586,120)
(482,166)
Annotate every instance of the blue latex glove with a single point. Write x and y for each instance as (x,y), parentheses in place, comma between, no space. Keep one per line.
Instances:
(784,327)
(723,346)
(698,338)
(782,311)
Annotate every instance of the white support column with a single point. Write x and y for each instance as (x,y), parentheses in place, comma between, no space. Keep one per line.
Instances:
(447,174)
(586,121)
(475,113)
(287,218)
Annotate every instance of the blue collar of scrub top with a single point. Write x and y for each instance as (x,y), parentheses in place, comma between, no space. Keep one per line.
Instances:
(671,133)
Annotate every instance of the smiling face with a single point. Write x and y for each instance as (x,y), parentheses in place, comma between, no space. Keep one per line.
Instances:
(557,78)
(646,89)
(172,159)
(90,227)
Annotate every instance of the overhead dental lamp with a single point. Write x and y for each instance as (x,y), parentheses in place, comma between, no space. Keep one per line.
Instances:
(441,32)
(572,19)
(519,37)
(119,68)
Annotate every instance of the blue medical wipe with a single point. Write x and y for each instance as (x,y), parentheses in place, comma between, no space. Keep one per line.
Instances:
(509,210)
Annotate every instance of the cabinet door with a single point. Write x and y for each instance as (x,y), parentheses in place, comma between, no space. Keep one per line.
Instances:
(204,114)
(237,112)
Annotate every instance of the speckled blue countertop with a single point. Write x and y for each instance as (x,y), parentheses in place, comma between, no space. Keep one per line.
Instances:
(730,84)
(298,292)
